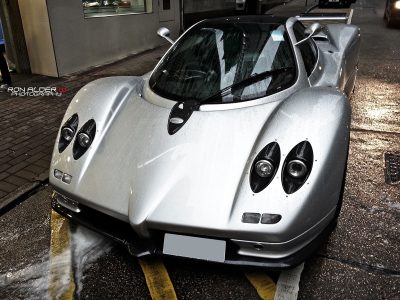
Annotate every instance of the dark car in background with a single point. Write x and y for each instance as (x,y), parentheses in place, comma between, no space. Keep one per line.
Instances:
(392,13)
(335,3)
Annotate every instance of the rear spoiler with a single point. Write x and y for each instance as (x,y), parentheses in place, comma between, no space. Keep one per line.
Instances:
(328,17)
(338,16)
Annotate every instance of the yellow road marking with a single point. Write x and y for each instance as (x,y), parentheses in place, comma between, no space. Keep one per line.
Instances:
(157,279)
(263,284)
(61,280)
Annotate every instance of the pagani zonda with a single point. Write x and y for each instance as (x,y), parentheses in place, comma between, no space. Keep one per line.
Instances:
(233,150)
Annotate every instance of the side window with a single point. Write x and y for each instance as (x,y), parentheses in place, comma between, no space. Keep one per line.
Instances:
(308,49)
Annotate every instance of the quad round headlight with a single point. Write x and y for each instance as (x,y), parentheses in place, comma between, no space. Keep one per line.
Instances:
(84,139)
(264,168)
(67,133)
(296,168)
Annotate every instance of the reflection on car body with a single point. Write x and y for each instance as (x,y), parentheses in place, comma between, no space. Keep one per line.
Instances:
(237,142)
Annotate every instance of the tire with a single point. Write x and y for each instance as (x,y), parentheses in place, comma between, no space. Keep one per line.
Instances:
(390,21)
(340,202)
(386,8)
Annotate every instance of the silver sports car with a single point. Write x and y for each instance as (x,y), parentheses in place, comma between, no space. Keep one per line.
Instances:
(232,150)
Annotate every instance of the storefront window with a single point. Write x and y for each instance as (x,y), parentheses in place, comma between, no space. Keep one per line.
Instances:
(102,8)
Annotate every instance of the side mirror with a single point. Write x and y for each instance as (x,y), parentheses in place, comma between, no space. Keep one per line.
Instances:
(312,30)
(164,33)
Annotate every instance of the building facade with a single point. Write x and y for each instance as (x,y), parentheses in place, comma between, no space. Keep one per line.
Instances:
(67,36)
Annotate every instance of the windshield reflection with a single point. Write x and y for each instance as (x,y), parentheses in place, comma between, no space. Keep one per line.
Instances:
(212,57)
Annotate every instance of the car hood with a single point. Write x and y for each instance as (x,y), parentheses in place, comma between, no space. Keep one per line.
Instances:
(137,171)
(190,178)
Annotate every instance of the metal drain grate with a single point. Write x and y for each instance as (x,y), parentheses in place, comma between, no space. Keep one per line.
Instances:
(392,168)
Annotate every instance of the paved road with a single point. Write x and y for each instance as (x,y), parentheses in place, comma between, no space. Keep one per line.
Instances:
(360,261)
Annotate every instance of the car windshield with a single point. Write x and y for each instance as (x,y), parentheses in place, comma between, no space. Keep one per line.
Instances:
(212,59)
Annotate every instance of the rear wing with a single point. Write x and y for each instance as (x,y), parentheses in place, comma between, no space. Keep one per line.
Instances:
(342,17)
(342,14)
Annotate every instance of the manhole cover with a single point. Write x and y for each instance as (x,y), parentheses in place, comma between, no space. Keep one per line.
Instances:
(392,168)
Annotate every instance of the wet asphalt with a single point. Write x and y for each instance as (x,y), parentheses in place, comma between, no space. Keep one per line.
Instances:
(361,259)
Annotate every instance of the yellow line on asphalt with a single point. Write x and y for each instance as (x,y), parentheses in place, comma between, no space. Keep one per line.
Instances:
(157,278)
(61,279)
(263,284)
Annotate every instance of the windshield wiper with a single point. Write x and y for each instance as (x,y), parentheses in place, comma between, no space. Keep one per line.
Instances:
(245,82)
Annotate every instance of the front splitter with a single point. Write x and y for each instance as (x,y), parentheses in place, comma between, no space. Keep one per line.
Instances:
(122,233)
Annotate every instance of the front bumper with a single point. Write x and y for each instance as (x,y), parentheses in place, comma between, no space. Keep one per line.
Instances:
(122,233)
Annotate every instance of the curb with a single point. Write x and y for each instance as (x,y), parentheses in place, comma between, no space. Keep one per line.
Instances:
(22,193)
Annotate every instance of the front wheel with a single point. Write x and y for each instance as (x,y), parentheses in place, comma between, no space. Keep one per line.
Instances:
(390,20)
(386,9)
(340,202)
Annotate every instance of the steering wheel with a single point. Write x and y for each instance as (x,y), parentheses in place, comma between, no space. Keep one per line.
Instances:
(194,73)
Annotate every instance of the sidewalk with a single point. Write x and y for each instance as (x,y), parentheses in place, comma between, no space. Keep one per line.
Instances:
(29,125)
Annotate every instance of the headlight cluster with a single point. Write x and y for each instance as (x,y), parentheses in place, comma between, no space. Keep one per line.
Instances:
(68,131)
(297,167)
(295,171)
(84,137)
(264,167)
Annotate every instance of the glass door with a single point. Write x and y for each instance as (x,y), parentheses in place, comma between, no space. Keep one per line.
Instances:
(166,10)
